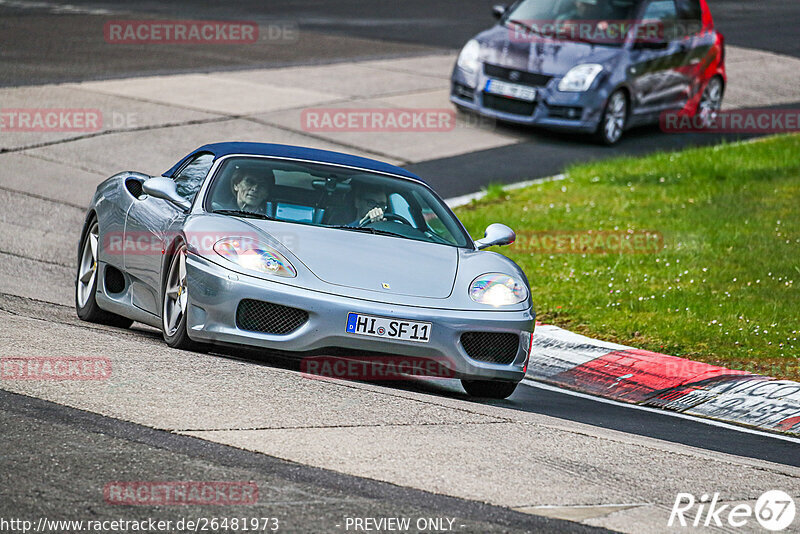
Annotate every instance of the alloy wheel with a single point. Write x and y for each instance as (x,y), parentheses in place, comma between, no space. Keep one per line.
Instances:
(176,297)
(87,269)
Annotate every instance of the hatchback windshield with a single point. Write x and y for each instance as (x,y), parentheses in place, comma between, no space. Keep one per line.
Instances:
(334,197)
(596,21)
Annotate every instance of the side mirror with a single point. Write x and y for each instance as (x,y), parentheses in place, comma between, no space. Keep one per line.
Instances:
(496,234)
(499,10)
(165,188)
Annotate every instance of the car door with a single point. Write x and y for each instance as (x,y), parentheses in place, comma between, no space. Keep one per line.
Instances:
(658,66)
(150,225)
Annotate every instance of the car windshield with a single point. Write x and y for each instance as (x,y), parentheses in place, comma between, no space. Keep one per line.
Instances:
(604,22)
(334,197)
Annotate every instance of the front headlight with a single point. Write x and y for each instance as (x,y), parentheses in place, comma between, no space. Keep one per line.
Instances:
(497,289)
(580,78)
(469,58)
(254,256)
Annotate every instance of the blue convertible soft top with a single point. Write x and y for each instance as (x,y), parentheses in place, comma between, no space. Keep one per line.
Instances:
(295,152)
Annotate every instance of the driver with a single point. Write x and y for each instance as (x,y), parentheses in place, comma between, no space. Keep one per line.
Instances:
(251,188)
(580,10)
(371,202)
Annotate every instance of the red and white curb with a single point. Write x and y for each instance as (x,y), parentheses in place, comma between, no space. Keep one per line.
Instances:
(568,360)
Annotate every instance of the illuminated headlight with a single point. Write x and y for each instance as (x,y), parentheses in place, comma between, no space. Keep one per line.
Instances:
(497,290)
(254,256)
(469,58)
(580,78)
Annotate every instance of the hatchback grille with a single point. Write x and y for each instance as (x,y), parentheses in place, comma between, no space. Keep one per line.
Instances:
(268,318)
(490,346)
(508,105)
(523,77)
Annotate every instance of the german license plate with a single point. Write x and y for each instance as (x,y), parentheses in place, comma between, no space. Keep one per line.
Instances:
(510,90)
(388,328)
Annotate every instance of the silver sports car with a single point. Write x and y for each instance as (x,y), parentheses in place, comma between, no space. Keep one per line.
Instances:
(308,251)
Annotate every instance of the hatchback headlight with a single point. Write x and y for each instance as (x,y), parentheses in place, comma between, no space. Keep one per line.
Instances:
(254,256)
(469,58)
(497,289)
(580,78)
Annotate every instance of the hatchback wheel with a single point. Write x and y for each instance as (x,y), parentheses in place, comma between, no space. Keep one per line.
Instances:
(710,103)
(615,116)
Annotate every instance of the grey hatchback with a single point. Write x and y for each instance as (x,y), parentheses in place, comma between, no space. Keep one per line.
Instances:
(593,66)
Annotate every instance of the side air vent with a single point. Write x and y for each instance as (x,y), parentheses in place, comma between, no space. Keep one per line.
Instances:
(134,187)
(115,280)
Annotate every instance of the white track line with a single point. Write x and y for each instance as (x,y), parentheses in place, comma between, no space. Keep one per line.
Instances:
(661,411)
(463,200)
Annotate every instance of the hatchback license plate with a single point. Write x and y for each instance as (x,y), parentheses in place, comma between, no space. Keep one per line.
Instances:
(511,90)
(385,327)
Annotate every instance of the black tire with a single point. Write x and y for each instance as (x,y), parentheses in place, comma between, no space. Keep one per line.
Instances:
(86,282)
(489,389)
(605,134)
(174,331)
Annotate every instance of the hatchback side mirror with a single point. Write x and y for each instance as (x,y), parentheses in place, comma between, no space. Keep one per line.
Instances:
(499,10)
(496,235)
(165,188)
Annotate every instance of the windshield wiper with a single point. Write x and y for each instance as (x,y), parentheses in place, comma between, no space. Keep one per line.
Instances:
(242,213)
(369,230)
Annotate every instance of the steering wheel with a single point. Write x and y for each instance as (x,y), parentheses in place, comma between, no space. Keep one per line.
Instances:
(396,218)
(391,217)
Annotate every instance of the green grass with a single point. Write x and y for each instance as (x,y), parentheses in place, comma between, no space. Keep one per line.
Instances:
(725,286)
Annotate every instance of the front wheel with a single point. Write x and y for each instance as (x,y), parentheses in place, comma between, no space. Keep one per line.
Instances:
(489,389)
(86,282)
(614,119)
(175,302)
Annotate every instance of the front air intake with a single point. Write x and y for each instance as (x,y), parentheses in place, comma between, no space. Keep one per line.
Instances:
(491,347)
(269,318)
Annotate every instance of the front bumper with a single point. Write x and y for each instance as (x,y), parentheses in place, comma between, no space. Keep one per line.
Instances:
(553,109)
(215,293)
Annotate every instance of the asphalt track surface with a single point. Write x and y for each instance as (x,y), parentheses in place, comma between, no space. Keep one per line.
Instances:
(44,42)
(45,444)
(102,449)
